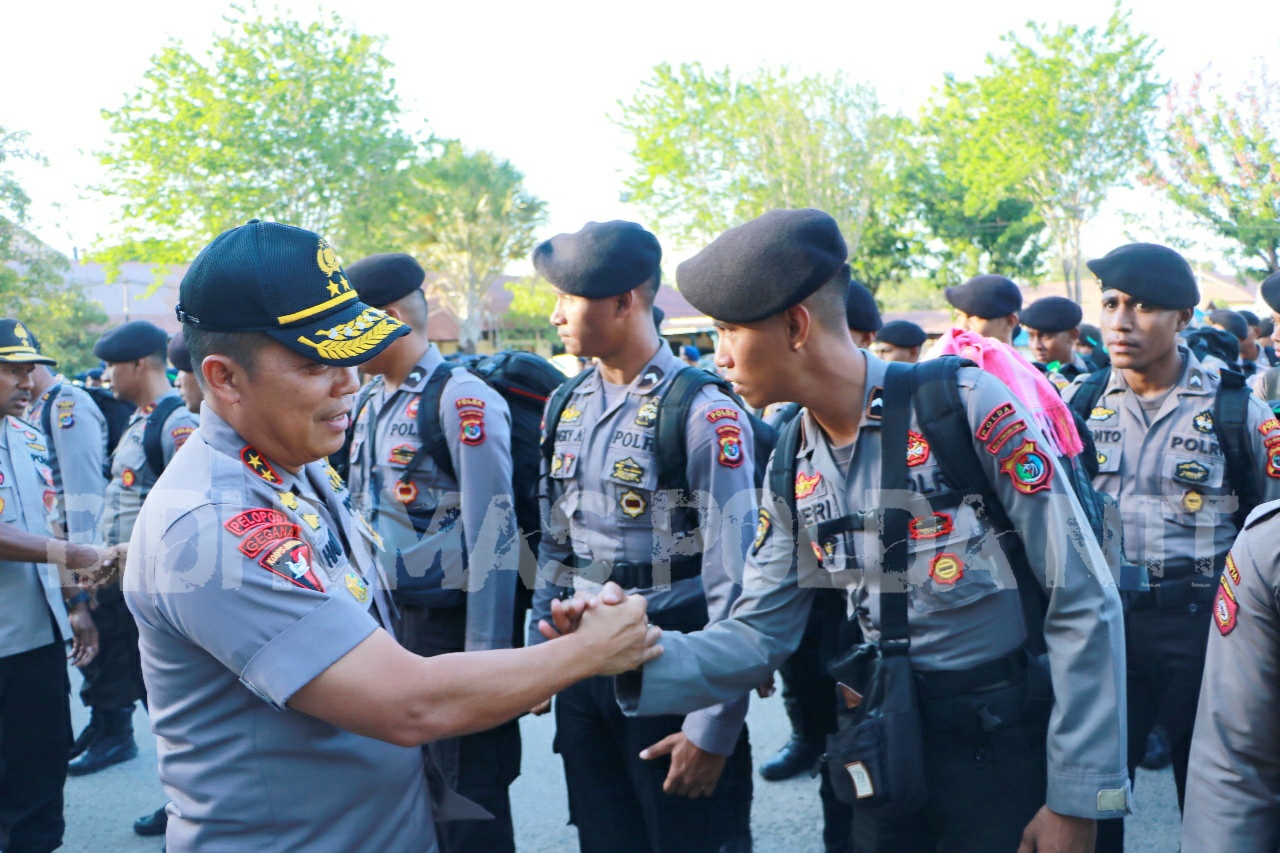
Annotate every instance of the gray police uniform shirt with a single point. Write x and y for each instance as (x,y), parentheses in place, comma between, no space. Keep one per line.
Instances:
(963,609)
(77,453)
(247,582)
(1169,475)
(131,476)
(601,507)
(478,557)
(31,610)
(1233,777)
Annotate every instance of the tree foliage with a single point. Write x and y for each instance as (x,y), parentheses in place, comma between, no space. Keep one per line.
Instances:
(1219,159)
(470,217)
(712,151)
(33,277)
(1059,121)
(281,120)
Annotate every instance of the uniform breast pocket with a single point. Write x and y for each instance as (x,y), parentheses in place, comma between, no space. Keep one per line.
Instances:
(1109,458)
(8,500)
(951,558)
(833,545)
(1202,473)
(629,480)
(564,461)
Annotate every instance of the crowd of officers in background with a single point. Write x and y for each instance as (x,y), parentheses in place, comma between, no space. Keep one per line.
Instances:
(1159,647)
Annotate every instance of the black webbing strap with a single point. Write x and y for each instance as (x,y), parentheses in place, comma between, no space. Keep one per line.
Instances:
(1231,425)
(153,431)
(894,422)
(430,434)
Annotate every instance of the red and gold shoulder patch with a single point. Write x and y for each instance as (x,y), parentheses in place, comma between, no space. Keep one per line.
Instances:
(469,402)
(1272,446)
(261,537)
(1232,570)
(1268,425)
(730,439)
(291,560)
(806,485)
(720,414)
(917,449)
(50,496)
(180,435)
(1029,468)
(1225,608)
(258,464)
(1002,438)
(472,429)
(243,522)
(993,417)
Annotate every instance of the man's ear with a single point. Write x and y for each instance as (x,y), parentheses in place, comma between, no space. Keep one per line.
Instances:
(624,302)
(1184,317)
(223,378)
(798,326)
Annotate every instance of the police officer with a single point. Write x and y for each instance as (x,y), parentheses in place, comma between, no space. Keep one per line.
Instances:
(1089,346)
(1232,783)
(772,286)
(287,716)
(449,537)
(1052,325)
(676,782)
(899,340)
(1267,383)
(188,386)
(863,315)
(987,305)
(38,617)
(1159,455)
(135,354)
(1235,324)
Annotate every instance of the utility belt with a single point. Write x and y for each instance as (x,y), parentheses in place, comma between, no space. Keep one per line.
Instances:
(632,575)
(1193,593)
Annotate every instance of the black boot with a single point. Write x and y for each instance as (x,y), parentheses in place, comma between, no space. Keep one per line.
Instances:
(1158,755)
(152,824)
(792,760)
(114,744)
(87,737)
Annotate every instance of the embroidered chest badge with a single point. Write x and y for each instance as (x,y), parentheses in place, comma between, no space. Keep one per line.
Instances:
(571,414)
(632,504)
(1203,422)
(946,569)
(411,410)
(627,470)
(357,586)
(406,493)
(128,477)
(806,485)
(1029,468)
(917,449)
(1191,472)
(291,560)
(1101,414)
(402,454)
(648,414)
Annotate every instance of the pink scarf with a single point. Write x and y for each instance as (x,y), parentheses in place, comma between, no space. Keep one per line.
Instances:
(1033,390)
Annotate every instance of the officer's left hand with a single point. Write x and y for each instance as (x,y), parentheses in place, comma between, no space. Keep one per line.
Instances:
(694,772)
(1050,832)
(84,639)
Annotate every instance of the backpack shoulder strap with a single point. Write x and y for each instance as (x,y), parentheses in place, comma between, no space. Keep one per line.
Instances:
(1231,426)
(431,440)
(894,422)
(341,460)
(46,413)
(555,408)
(1090,392)
(152,432)
(670,430)
(782,476)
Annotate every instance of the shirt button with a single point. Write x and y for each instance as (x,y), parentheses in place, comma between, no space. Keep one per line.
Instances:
(1193,608)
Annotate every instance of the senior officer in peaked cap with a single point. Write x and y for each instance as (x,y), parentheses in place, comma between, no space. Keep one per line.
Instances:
(38,617)
(1052,325)
(607,515)
(987,305)
(899,340)
(449,535)
(1162,454)
(772,286)
(135,355)
(262,611)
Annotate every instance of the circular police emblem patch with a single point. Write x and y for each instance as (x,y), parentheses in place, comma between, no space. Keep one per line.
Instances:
(406,493)
(730,440)
(1192,501)
(946,569)
(917,449)
(632,504)
(128,477)
(1029,468)
(1203,422)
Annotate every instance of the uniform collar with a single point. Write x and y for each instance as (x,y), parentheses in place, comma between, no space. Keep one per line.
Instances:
(145,411)
(872,397)
(656,373)
(219,435)
(417,378)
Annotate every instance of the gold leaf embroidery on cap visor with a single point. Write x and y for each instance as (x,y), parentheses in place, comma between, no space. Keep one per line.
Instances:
(348,340)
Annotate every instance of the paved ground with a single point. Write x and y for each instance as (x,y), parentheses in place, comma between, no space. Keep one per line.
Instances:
(786,816)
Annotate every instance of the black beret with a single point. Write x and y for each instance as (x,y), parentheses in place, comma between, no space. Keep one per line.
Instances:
(1231,321)
(1249,317)
(1266,327)
(658,316)
(1155,274)
(1051,314)
(18,344)
(286,282)
(765,266)
(1271,291)
(179,355)
(1091,334)
(94,373)
(602,260)
(380,280)
(901,333)
(986,296)
(135,339)
(860,309)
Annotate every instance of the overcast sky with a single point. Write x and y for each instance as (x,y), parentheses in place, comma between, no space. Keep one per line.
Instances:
(536,82)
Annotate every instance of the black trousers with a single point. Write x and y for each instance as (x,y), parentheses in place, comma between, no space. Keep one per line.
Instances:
(113,679)
(615,797)
(480,766)
(985,783)
(1164,656)
(35,737)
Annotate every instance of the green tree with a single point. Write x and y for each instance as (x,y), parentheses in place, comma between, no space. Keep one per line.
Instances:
(1059,121)
(33,277)
(712,151)
(532,301)
(281,120)
(1219,160)
(470,218)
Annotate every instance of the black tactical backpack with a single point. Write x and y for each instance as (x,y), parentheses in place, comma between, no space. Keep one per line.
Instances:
(117,414)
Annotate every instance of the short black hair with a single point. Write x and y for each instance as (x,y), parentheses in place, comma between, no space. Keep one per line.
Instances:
(415,309)
(240,347)
(828,303)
